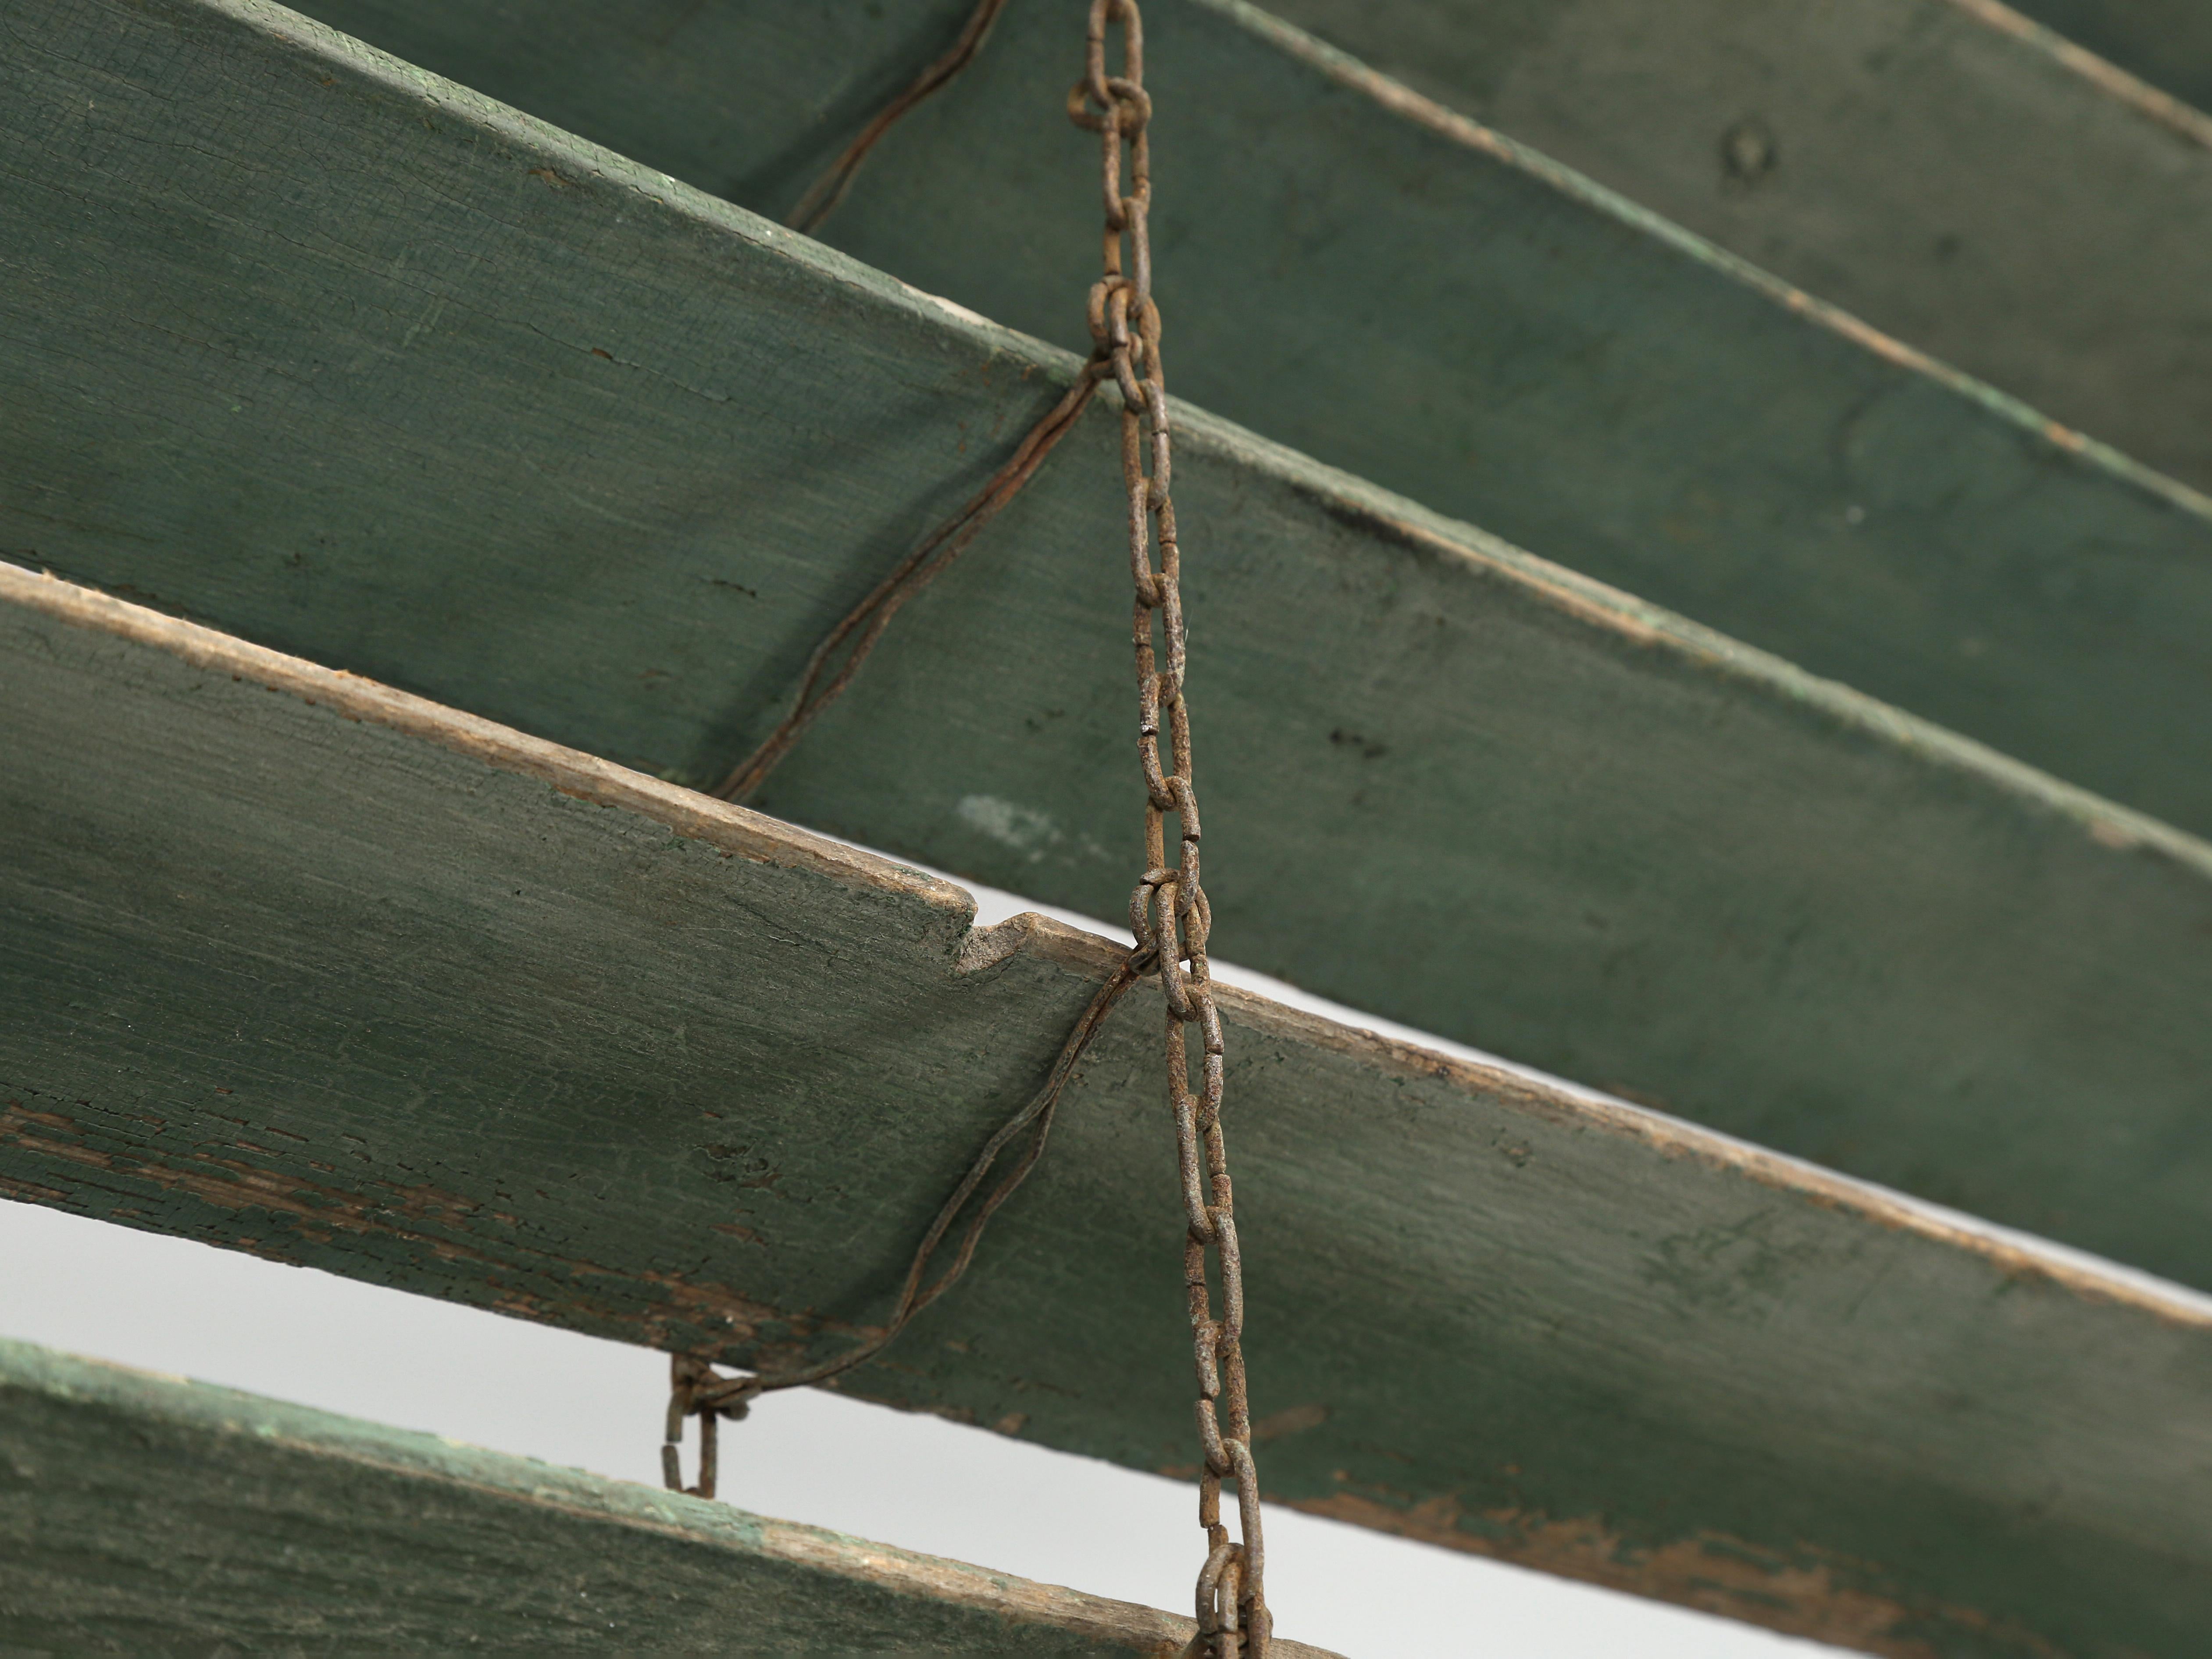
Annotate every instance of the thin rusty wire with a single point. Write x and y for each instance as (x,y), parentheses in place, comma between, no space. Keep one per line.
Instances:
(826,193)
(696,1387)
(846,646)
(698,1390)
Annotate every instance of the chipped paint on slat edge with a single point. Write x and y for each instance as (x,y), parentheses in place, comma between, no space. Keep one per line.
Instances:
(1714,1573)
(418,1215)
(1593,603)
(1094,957)
(1614,612)
(1710,1573)
(1706,1571)
(587,1497)
(2182,119)
(577,161)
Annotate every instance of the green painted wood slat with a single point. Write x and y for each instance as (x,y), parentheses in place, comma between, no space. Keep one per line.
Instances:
(304,966)
(145,1514)
(1359,273)
(376,371)
(1944,169)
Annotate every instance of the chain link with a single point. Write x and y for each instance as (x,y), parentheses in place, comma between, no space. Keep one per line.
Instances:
(1168,912)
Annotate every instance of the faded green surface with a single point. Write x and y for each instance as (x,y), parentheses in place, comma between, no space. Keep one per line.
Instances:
(145,1516)
(1481,330)
(1950,180)
(2167,42)
(505,1026)
(351,375)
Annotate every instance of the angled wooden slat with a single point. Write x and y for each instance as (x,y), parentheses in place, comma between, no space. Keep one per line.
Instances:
(144,1514)
(1944,169)
(376,371)
(2167,42)
(1396,290)
(301,965)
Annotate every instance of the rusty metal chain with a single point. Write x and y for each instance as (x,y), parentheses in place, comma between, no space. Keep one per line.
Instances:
(1168,912)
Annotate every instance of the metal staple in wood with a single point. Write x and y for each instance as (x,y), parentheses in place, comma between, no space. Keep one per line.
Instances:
(696,1390)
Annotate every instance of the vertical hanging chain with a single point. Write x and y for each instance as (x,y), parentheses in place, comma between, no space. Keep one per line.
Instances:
(1168,912)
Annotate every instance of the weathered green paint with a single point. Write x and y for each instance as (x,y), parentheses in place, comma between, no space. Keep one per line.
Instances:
(1399,292)
(366,417)
(1940,168)
(2167,42)
(143,1514)
(301,965)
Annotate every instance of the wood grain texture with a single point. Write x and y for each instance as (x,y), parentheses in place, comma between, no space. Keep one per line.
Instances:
(376,371)
(1384,284)
(145,1514)
(1941,169)
(304,966)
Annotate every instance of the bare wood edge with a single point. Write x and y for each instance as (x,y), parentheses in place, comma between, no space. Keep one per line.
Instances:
(2163,109)
(587,1497)
(735,830)
(1401,99)
(1094,957)
(761,839)
(574,158)
(1798,1595)
(1614,612)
